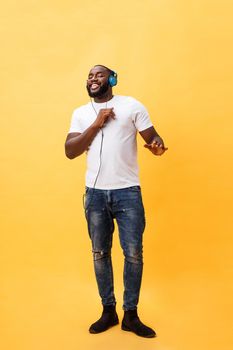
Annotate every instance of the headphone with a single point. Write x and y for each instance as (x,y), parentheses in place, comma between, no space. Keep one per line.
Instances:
(112,79)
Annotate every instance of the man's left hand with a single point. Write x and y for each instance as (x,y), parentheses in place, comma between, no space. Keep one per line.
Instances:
(156,146)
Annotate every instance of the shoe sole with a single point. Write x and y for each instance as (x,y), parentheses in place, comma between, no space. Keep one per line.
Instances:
(92,331)
(127,329)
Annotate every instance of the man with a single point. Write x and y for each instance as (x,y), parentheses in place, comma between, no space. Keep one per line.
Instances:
(106,129)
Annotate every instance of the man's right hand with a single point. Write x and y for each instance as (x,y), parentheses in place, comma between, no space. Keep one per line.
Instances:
(103,116)
(77,143)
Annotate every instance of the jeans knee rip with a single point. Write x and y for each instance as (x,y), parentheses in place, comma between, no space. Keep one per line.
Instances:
(133,255)
(100,254)
(134,259)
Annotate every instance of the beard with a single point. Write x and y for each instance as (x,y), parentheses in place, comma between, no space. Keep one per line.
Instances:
(101,91)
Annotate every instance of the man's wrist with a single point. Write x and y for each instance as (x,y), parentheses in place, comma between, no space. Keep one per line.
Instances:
(95,127)
(156,137)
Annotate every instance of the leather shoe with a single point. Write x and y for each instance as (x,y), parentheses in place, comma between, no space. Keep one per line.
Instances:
(108,319)
(132,323)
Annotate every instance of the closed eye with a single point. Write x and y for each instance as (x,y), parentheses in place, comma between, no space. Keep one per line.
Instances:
(99,75)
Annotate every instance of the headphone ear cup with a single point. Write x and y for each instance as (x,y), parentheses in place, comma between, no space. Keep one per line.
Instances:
(112,80)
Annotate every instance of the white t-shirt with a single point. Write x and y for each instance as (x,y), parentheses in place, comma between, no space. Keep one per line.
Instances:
(119,168)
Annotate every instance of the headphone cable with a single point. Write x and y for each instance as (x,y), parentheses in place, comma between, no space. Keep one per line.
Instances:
(100,160)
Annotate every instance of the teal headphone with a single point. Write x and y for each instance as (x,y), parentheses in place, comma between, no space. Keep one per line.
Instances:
(112,79)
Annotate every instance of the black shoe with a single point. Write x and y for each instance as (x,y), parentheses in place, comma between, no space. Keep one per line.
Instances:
(132,323)
(108,319)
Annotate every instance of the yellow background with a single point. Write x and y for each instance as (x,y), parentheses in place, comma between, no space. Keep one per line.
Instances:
(173,56)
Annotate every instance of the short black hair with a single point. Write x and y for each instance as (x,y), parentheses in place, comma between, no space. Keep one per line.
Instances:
(108,69)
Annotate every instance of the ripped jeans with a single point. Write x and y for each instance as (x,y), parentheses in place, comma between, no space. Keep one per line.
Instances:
(126,206)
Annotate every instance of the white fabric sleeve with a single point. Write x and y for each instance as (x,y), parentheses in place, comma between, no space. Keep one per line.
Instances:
(141,117)
(75,122)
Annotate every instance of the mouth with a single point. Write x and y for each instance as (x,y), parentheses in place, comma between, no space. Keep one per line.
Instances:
(94,86)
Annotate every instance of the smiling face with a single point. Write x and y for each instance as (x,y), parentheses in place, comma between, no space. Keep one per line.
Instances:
(97,82)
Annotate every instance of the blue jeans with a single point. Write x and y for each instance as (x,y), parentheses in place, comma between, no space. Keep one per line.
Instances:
(126,206)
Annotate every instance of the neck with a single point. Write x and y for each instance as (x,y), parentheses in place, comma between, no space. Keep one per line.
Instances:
(104,98)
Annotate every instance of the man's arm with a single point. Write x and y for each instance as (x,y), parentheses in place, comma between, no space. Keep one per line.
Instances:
(153,141)
(76,143)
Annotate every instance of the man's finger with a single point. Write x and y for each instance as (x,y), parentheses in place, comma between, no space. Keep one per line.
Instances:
(154,144)
(112,115)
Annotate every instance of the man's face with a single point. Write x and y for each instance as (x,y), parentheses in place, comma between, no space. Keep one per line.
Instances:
(97,82)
